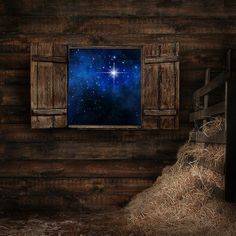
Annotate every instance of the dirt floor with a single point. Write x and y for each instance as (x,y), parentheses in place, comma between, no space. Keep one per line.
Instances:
(64,224)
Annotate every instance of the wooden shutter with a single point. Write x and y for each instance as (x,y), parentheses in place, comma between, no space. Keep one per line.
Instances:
(160,96)
(48,85)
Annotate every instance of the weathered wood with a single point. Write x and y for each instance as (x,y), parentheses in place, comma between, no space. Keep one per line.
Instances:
(34,78)
(161,86)
(120,9)
(202,138)
(75,168)
(216,109)
(69,193)
(153,112)
(230,161)
(49,59)
(14,77)
(205,29)
(108,127)
(150,60)
(13,61)
(229,61)
(48,86)
(14,115)
(215,82)
(23,133)
(81,186)
(116,25)
(94,192)
(94,150)
(52,111)
(206,97)
(14,96)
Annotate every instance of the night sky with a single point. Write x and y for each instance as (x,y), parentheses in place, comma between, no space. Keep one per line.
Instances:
(104,87)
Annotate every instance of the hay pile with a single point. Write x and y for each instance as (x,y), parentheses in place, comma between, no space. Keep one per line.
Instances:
(188,198)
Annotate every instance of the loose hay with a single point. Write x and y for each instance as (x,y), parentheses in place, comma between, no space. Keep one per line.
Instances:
(214,126)
(185,200)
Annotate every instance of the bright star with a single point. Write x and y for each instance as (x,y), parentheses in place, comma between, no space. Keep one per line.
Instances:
(113,73)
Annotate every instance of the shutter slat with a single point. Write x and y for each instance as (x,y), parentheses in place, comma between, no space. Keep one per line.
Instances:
(45,98)
(167,86)
(34,77)
(150,60)
(60,86)
(48,85)
(60,83)
(50,59)
(153,112)
(161,86)
(52,111)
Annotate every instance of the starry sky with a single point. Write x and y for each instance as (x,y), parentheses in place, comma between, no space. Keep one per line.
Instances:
(104,86)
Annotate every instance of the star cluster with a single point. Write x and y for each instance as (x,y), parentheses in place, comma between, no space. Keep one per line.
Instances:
(104,86)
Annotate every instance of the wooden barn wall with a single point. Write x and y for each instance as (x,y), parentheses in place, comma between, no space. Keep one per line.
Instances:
(92,168)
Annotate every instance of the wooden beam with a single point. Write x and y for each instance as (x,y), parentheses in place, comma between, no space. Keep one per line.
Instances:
(216,109)
(150,60)
(213,84)
(106,127)
(206,97)
(82,168)
(199,137)
(52,111)
(154,112)
(228,61)
(230,160)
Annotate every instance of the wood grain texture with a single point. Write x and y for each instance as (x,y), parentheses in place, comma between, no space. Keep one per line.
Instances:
(48,85)
(83,192)
(82,168)
(204,29)
(161,85)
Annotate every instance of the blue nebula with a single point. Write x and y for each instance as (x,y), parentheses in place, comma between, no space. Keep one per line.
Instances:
(104,86)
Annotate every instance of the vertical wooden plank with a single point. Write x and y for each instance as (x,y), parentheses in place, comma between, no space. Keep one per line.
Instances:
(45,95)
(230,160)
(167,94)
(60,121)
(60,92)
(45,85)
(33,77)
(60,50)
(42,122)
(150,94)
(49,89)
(34,83)
(60,85)
(177,87)
(45,49)
(167,86)
(150,86)
(206,97)
(167,122)
(161,85)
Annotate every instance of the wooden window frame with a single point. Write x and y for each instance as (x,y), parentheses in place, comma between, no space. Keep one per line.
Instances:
(159,86)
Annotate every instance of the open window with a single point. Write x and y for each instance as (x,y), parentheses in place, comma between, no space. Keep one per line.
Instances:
(105,87)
